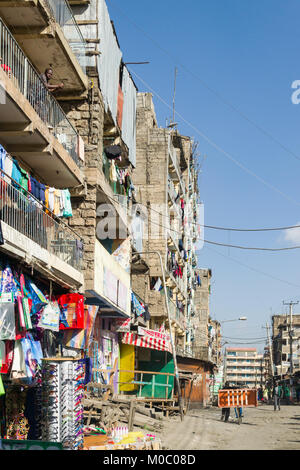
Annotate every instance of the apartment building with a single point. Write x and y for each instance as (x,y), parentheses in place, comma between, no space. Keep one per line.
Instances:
(202,314)
(166,188)
(286,344)
(243,367)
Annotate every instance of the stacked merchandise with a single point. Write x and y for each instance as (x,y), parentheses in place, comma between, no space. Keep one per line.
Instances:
(62,394)
(35,321)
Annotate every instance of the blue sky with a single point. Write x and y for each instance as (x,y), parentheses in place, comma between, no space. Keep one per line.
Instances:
(236,63)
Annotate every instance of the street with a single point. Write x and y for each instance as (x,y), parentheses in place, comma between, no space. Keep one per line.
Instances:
(262,429)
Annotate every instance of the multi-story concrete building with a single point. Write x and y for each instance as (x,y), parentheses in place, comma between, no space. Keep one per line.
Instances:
(38,140)
(244,367)
(202,314)
(167,187)
(286,344)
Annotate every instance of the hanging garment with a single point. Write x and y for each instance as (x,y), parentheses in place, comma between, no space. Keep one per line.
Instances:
(49,319)
(68,206)
(72,306)
(56,209)
(7,321)
(38,298)
(24,179)
(2,390)
(2,157)
(7,359)
(8,283)
(8,166)
(113,172)
(35,188)
(157,285)
(42,197)
(16,173)
(18,368)
(51,199)
(33,356)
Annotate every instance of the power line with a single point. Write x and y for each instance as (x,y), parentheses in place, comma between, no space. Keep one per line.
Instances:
(214,92)
(230,229)
(215,243)
(254,269)
(218,148)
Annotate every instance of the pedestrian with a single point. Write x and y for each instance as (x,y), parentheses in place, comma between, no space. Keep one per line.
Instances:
(265,395)
(277,395)
(298,392)
(225,411)
(287,394)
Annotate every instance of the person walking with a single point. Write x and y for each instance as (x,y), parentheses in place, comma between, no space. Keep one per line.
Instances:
(265,395)
(226,411)
(287,394)
(277,395)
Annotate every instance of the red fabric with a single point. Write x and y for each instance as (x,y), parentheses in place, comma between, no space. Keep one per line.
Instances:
(6,68)
(9,355)
(73,306)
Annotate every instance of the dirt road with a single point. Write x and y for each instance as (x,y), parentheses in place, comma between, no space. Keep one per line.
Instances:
(262,429)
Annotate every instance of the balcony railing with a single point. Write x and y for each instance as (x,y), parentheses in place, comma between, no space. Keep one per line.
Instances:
(21,211)
(28,82)
(64,17)
(176,314)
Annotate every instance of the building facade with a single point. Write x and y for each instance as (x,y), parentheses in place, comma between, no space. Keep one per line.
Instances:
(244,367)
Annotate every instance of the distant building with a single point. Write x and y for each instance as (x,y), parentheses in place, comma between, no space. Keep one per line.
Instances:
(283,334)
(244,367)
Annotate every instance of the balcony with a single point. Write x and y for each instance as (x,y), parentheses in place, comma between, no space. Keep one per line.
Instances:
(49,35)
(33,126)
(177,317)
(110,285)
(36,236)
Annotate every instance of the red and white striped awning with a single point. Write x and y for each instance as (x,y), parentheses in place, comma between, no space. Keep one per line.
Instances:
(149,339)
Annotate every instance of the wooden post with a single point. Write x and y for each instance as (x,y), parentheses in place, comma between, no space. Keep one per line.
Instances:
(131,415)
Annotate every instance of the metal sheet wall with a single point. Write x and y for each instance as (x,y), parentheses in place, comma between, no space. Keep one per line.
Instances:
(129,115)
(109,61)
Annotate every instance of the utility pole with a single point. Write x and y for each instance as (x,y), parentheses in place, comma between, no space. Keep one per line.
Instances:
(290,304)
(270,352)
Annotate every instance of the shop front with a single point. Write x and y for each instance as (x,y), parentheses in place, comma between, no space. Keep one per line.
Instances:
(146,365)
(44,332)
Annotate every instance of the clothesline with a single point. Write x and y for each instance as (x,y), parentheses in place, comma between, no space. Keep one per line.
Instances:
(8,179)
(57,201)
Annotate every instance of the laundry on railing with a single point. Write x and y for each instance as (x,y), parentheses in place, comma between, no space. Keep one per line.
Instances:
(58,201)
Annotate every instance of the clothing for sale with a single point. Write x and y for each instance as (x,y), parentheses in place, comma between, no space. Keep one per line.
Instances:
(72,307)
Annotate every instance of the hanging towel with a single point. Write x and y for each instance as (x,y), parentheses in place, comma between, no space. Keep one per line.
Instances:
(68,206)
(51,199)
(8,166)
(57,202)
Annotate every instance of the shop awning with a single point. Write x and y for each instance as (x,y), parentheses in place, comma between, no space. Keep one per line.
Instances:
(149,339)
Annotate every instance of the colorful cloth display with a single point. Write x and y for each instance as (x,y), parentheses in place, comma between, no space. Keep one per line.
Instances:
(57,201)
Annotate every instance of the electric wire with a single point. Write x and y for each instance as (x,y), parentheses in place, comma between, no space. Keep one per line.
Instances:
(216,243)
(213,91)
(254,269)
(217,147)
